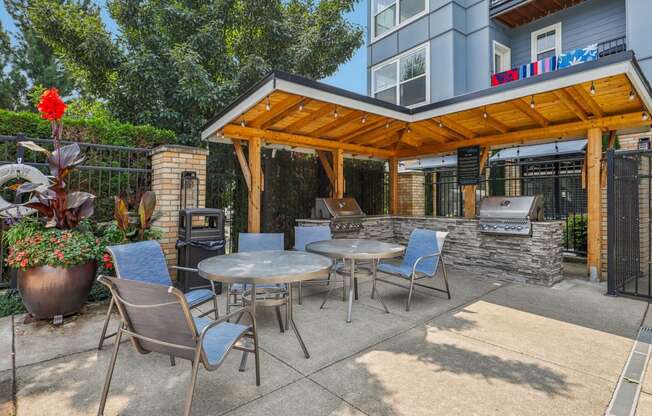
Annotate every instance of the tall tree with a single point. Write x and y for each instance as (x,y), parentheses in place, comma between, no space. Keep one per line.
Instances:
(33,60)
(175,63)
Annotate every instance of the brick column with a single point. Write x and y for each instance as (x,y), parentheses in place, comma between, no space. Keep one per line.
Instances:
(411,193)
(167,164)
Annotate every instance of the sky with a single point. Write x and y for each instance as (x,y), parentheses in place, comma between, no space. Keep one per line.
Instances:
(351,75)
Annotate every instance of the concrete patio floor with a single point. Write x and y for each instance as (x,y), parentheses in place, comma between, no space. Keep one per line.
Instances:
(494,348)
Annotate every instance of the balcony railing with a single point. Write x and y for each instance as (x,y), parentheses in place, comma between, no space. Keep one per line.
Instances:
(612,46)
(569,58)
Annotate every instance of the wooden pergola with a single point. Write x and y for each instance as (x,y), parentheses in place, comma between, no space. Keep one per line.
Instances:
(586,100)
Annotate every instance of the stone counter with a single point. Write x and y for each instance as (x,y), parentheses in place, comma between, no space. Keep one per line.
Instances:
(536,259)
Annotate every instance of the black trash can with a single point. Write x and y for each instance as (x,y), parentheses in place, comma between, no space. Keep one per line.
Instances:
(197,242)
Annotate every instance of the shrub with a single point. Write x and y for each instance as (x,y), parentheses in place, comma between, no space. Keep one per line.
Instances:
(93,130)
(10,303)
(575,232)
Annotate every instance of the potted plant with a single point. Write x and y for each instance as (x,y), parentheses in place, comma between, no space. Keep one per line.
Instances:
(55,257)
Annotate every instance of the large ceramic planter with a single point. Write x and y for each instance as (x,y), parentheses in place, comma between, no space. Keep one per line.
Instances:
(51,291)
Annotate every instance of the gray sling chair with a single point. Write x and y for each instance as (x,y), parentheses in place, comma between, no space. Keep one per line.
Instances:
(144,261)
(421,260)
(158,319)
(266,295)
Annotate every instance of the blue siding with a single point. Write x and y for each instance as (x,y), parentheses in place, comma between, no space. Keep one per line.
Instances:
(591,22)
(639,19)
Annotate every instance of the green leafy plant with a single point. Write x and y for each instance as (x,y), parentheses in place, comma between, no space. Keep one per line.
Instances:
(10,303)
(575,231)
(33,245)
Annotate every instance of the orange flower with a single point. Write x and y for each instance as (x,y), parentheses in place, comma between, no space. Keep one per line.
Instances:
(51,105)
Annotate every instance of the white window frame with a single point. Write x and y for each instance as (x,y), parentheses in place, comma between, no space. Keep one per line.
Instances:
(396,59)
(397,16)
(533,40)
(505,52)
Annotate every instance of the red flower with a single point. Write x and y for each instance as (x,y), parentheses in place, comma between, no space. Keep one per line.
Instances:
(51,105)
(106,259)
(23,263)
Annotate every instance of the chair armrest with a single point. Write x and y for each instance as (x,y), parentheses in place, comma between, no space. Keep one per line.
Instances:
(213,324)
(185,269)
(422,258)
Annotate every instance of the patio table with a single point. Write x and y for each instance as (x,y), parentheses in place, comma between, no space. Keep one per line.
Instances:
(352,250)
(266,268)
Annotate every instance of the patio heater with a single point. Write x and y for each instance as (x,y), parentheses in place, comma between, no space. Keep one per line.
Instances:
(189,190)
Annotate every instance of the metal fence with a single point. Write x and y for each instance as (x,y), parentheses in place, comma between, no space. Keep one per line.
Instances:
(558,180)
(292,182)
(629,225)
(107,171)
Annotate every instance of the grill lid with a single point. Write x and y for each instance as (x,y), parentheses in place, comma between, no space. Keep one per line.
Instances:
(513,207)
(337,208)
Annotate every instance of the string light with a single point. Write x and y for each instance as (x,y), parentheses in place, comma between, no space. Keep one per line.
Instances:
(243,122)
(440,124)
(532,105)
(592,89)
(268,106)
(485,115)
(301,106)
(645,116)
(632,95)
(335,113)
(364,119)
(409,130)
(387,124)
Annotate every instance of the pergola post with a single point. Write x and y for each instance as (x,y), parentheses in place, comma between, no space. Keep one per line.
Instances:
(393,186)
(594,201)
(338,171)
(253,220)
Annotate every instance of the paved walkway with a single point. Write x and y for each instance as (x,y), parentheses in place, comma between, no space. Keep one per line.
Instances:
(495,348)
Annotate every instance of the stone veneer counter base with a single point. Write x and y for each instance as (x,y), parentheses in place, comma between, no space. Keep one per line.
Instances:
(537,259)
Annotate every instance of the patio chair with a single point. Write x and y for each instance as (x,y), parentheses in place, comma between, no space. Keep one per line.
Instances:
(304,236)
(266,295)
(158,319)
(421,260)
(144,261)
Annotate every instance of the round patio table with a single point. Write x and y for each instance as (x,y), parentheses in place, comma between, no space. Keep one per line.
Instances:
(352,250)
(266,268)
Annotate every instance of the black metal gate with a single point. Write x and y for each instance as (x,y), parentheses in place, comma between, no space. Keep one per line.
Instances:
(629,193)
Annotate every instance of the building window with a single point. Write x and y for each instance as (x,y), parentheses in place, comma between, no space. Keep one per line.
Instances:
(546,42)
(502,57)
(404,79)
(390,14)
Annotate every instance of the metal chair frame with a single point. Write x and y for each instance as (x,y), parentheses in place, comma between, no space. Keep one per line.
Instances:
(107,319)
(199,352)
(415,276)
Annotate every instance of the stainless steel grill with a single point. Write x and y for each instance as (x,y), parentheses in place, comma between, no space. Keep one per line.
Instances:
(510,215)
(344,213)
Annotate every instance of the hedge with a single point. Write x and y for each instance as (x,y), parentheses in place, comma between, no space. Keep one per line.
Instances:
(87,131)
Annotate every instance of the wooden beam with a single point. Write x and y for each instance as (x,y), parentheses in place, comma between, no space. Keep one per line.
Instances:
(301,123)
(379,134)
(428,133)
(393,186)
(246,133)
(376,125)
(338,170)
(533,114)
(253,212)
(594,201)
(492,121)
(457,127)
(242,160)
(596,110)
(279,108)
(443,131)
(410,140)
(283,114)
(540,133)
(336,124)
(326,164)
(610,145)
(572,105)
